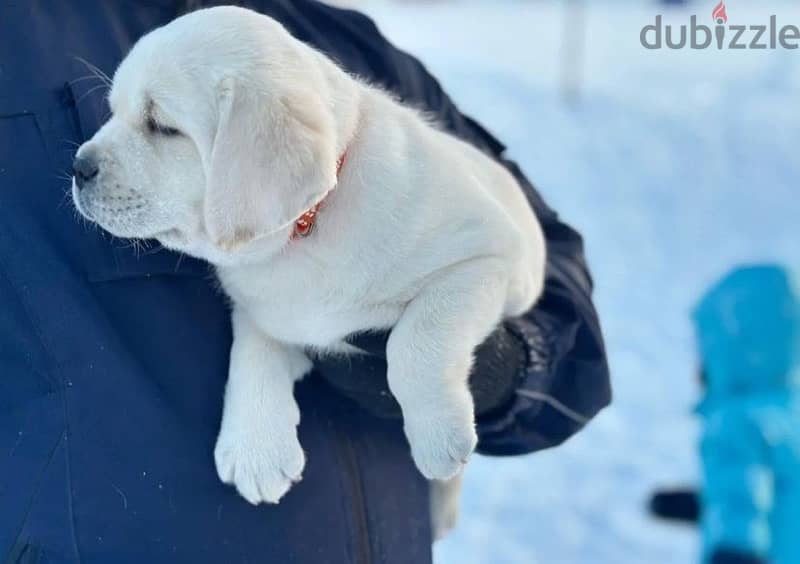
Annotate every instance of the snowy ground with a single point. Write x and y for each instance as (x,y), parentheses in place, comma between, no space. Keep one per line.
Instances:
(675,166)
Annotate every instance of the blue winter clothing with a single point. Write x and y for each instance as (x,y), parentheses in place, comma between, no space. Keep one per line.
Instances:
(748,328)
(113,362)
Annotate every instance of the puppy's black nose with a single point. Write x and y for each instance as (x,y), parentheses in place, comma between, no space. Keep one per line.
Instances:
(85,169)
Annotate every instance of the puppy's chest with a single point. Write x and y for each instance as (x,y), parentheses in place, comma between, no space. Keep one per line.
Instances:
(305,309)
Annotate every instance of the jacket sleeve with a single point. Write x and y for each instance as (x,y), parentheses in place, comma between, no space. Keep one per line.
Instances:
(564,380)
(559,377)
(737,487)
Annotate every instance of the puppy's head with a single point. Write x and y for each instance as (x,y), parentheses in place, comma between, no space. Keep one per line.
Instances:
(221,134)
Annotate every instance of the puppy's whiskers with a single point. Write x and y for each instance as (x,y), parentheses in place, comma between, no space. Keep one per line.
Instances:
(90,91)
(84,78)
(71,143)
(95,70)
(179,261)
(67,192)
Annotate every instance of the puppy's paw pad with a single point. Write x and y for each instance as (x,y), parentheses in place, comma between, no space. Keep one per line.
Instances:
(262,471)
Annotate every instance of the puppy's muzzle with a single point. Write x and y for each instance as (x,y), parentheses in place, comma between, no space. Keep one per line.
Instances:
(85,169)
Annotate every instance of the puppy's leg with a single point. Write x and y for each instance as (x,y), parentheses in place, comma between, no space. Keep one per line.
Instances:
(429,356)
(257,449)
(445,496)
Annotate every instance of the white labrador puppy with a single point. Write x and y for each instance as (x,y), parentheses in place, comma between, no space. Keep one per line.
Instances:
(327,208)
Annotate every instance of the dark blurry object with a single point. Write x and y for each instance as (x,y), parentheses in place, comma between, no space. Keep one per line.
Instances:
(676,505)
(748,332)
(734,557)
(702,379)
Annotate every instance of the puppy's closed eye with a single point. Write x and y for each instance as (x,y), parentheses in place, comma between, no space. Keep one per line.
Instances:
(159,129)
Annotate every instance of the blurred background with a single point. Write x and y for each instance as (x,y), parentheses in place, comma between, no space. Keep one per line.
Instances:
(675,165)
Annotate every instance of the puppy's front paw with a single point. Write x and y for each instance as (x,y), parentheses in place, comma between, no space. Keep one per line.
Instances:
(441,443)
(262,466)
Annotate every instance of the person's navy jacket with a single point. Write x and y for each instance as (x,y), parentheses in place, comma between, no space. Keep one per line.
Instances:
(113,359)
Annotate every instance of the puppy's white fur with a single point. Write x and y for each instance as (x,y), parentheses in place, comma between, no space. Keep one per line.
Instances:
(422,233)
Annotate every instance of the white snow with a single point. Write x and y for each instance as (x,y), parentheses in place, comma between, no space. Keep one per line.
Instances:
(675,165)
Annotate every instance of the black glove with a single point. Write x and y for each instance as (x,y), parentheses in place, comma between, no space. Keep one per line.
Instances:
(499,367)
(676,505)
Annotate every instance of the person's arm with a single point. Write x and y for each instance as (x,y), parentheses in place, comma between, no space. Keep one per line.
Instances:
(737,490)
(540,377)
(564,381)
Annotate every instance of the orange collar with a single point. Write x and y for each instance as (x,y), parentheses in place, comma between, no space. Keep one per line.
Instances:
(305,223)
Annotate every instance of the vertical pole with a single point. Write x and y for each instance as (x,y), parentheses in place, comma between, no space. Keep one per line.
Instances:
(573,50)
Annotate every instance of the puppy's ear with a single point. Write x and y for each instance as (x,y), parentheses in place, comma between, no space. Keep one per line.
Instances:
(273,157)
